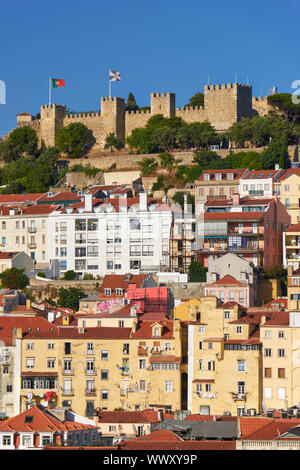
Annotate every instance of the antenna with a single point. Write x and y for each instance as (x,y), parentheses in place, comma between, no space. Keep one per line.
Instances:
(235,77)
(208,80)
(247,80)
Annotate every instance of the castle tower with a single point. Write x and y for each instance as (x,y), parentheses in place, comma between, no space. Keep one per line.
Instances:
(163,103)
(226,104)
(113,118)
(52,120)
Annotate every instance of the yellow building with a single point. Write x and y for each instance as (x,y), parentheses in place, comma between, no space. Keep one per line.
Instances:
(103,367)
(187,310)
(224,370)
(287,186)
(291,247)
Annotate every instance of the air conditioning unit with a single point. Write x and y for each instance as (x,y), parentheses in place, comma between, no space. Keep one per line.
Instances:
(218,355)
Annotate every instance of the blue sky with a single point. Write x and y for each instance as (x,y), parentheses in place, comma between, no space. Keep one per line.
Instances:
(156,46)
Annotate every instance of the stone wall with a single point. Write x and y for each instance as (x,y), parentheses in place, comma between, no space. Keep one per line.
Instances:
(260,106)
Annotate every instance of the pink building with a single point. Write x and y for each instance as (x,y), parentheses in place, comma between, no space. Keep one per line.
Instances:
(229,289)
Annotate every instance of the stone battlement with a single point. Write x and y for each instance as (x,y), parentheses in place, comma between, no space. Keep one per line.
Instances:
(162,95)
(111,99)
(82,115)
(260,98)
(224,86)
(190,108)
(139,111)
(53,106)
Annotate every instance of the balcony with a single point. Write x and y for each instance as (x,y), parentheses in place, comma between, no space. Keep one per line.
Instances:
(32,245)
(238,396)
(68,372)
(257,192)
(32,229)
(249,248)
(90,393)
(67,393)
(90,372)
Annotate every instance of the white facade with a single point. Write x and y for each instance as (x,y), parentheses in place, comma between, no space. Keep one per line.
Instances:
(256,187)
(98,240)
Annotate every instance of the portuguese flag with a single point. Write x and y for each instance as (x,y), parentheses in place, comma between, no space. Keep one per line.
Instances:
(57,82)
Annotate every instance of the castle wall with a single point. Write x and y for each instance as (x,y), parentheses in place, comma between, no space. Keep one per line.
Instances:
(135,119)
(192,114)
(260,106)
(92,121)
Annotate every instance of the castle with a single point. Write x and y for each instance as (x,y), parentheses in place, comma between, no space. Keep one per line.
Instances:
(223,106)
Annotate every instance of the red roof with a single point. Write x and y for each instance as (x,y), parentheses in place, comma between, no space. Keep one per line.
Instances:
(7,323)
(89,333)
(164,359)
(293,228)
(227,281)
(39,210)
(288,172)
(61,196)
(19,198)
(120,281)
(279,319)
(267,428)
(237,174)
(42,420)
(144,329)
(260,174)
(146,416)
(8,254)
(197,417)
(142,444)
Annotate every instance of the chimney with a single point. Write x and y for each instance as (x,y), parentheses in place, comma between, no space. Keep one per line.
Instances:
(236,199)
(133,311)
(185,204)
(123,203)
(290,270)
(88,203)
(28,303)
(263,319)
(143,201)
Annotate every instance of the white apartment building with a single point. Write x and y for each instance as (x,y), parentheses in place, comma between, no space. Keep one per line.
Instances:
(258,183)
(116,237)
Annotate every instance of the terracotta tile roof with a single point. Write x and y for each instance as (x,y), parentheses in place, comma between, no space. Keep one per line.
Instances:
(212,381)
(272,429)
(164,359)
(229,305)
(120,281)
(135,444)
(144,329)
(153,316)
(227,281)
(244,201)
(255,174)
(164,435)
(41,421)
(197,417)
(39,210)
(279,319)
(7,323)
(89,333)
(288,172)
(147,416)
(237,174)
(212,340)
(30,373)
(20,198)
(8,254)
(282,302)
(293,228)
(61,196)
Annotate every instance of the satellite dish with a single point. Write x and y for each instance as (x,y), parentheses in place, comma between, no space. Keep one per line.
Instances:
(264,406)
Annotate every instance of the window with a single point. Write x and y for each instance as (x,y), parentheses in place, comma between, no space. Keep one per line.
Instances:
(119,291)
(30,346)
(268,372)
(5,369)
(231,296)
(9,388)
(268,352)
(241,366)
(287,187)
(200,364)
(104,355)
(268,334)
(6,440)
(281,373)
(67,348)
(287,202)
(281,352)
(211,365)
(51,363)
(156,332)
(107,291)
(241,388)
(199,388)
(104,394)
(201,329)
(90,348)
(126,348)
(121,323)
(169,385)
(239,329)
(110,265)
(30,363)
(142,364)
(210,345)
(281,393)
(268,393)
(280,334)
(207,387)
(104,374)
(142,385)
(112,428)
(227,315)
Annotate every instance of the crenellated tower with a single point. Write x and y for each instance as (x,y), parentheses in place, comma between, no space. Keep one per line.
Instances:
(52,120)
(163,103)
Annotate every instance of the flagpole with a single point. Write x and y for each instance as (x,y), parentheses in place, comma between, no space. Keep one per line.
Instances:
(109,87)
(49,90)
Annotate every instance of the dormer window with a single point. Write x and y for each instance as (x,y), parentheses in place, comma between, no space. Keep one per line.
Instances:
(218,176)
(206,177)
(119,291)
(230,176)
(107,291)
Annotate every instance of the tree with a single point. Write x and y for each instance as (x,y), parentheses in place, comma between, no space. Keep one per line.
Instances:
(69,298)
(111,142)
(166,160)
(69,275)
(21,140)
(178,198)
(197,272)
(196,100)
(74,140)
(131,104)
(282,103)
(14,278)
(205,157)
(159,184)
(148,166)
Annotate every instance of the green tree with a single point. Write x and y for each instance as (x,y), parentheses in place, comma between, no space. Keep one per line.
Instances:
(112,143)
(131,104)
(14,278)
(166,160)
(69,298)
(197,272)
(69,275)
(158,185)
(22,140)
(148,166)
(197,99)
(178,198)
(205,157)
(283,104)
(75,140)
